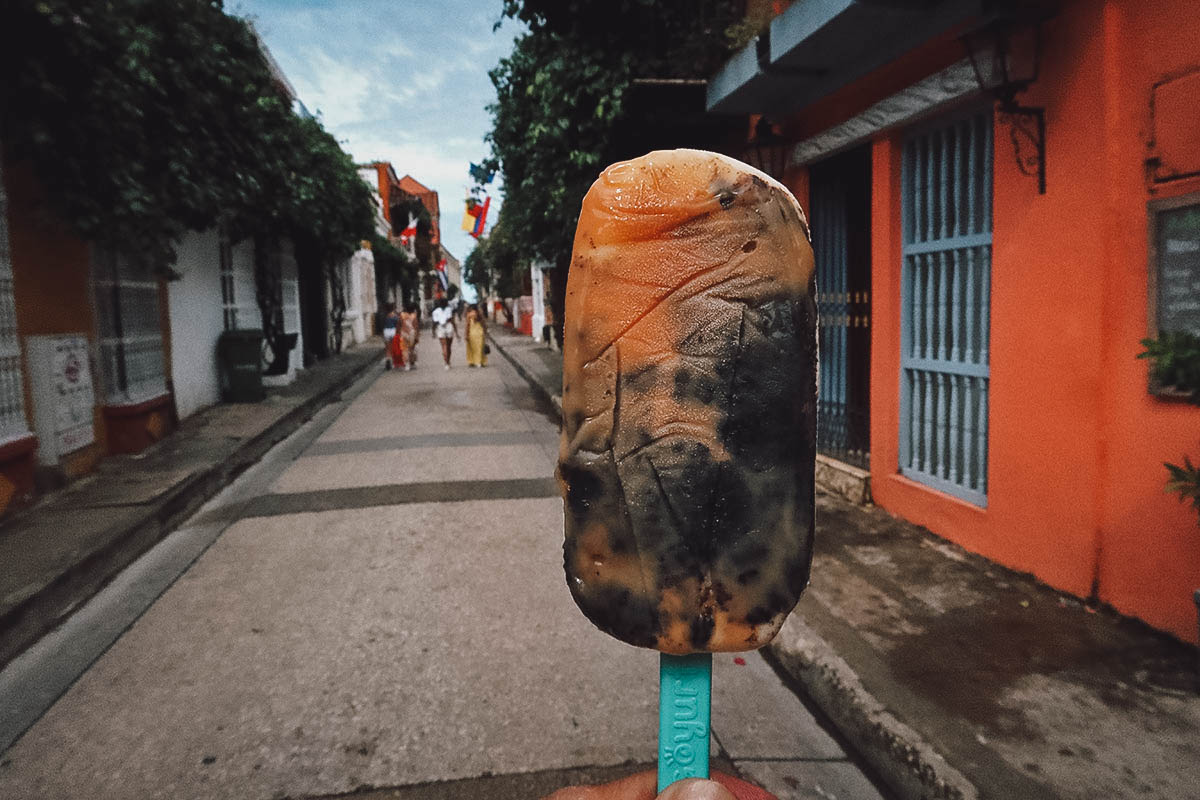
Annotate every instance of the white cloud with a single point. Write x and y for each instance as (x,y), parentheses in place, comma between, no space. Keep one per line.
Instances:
(340,90)
(408,87)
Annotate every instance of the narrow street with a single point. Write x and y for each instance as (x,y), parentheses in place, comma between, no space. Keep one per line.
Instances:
(382,606)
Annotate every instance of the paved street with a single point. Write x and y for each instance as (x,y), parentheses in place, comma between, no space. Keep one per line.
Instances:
(382,606)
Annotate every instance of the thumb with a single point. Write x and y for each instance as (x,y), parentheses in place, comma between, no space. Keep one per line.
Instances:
(696,789)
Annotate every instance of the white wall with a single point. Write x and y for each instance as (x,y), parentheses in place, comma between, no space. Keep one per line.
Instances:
(362,270)
(194,303)
(539,300)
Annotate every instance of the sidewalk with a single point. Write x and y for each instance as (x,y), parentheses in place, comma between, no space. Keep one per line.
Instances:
(957,678)
(534,361)
(59,552)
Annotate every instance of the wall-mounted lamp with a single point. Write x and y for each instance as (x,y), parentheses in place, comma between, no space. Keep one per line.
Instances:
(767,151)
(1006,57)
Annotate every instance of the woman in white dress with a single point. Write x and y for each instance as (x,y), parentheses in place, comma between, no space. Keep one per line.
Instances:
(444,327)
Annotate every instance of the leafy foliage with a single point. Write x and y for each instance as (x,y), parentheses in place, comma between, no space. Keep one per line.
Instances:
(1175,361)
(565,106)
(1185,481)
(331,209)
(552,121)
(665,38)
(148,118)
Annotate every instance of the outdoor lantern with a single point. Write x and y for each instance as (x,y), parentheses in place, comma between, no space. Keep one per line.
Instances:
(1006,56)
(767,151)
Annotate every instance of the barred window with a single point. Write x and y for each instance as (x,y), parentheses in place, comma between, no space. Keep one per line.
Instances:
(945,299)
(131,346)
(12,386)
(228,281)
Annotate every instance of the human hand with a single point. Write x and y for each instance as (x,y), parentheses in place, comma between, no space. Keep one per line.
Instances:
(641,787)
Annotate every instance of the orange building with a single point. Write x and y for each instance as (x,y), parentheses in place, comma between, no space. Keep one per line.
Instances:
(394,192)
(994,236)
(82,344)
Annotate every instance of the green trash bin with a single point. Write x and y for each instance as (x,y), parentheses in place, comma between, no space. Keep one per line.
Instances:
(239,363)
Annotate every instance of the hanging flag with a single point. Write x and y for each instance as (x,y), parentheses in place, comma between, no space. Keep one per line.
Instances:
(481,220)
(441,273)
(470,214)
(409,231)
(481,175)
(474,212)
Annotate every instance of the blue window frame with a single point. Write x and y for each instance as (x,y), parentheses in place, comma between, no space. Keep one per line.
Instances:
(946,209)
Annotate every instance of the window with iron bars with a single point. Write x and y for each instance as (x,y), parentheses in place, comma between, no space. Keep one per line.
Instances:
(946,209)
(228,280)
(13,424)
(131,346)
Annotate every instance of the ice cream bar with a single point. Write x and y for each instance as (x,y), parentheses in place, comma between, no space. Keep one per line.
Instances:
(689,404)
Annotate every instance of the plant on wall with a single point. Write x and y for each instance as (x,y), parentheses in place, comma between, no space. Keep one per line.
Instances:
(1175,365)
(1185,481)
(1175,362)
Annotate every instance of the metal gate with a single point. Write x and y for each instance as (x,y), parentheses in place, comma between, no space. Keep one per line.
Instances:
(945,295)
(840,200)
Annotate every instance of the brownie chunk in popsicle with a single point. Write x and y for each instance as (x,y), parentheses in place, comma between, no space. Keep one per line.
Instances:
(689,404)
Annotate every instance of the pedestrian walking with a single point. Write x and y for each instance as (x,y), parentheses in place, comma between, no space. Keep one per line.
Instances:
(477,348)
(390,322)
(409,332)
(444,327)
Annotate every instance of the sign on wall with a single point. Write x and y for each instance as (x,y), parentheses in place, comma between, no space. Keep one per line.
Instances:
(63,399)
(1175,265)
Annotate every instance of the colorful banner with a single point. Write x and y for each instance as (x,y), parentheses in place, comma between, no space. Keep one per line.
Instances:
(481,220)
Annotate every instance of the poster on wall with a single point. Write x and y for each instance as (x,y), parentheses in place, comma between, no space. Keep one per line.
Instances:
(63,398)
(1177,267)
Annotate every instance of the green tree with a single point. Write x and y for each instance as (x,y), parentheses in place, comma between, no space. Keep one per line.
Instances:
(148,118)
(566,105)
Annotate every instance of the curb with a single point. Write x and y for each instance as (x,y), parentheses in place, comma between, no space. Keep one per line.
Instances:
(909,765)
(29,621)
(543,391)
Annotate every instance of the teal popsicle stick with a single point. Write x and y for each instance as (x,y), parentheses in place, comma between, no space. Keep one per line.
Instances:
(684,701)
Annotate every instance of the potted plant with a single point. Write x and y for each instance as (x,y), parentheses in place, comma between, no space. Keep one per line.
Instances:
(1175,372)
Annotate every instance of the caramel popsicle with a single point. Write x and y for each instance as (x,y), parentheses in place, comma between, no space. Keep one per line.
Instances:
(689,404)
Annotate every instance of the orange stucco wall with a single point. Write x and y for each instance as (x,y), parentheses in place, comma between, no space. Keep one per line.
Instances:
(51,285)
(1149,542)
(1076,444)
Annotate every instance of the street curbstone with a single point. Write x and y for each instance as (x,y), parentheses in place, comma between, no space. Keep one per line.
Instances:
(545,392)
(900,756)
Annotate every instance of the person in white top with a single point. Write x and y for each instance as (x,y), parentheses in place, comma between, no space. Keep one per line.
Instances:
(444,327)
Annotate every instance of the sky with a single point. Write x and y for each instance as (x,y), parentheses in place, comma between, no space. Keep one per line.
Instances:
(404,82)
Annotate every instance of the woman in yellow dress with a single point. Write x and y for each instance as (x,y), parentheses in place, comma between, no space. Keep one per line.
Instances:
(476,357)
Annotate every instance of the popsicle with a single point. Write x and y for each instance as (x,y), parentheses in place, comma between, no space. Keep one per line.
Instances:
(689,404)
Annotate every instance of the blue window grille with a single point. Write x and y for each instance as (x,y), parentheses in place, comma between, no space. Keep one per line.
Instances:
(945,291)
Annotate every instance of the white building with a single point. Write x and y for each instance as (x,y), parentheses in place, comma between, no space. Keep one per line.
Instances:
(357,278)
(216,292)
